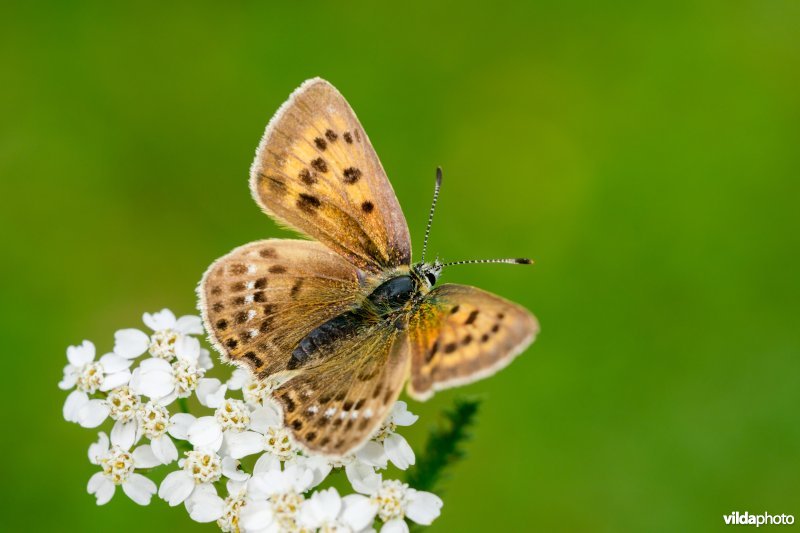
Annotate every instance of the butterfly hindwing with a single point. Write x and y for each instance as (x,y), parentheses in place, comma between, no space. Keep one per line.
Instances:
(461,334)
(262,298)
(316,171)
(336,403)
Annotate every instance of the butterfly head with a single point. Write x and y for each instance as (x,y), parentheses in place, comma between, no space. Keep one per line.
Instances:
(428,273)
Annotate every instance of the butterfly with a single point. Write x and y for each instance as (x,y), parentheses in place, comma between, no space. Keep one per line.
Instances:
(342,322)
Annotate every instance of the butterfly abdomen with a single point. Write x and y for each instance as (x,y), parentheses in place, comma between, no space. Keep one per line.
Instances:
(389,297)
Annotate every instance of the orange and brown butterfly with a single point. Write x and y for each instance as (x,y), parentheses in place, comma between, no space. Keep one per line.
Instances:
(342,322)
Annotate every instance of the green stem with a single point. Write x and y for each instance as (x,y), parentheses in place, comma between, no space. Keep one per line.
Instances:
(183,404)
(445,445)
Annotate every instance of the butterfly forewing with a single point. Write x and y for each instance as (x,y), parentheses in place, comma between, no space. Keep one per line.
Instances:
(261,299)
(461,334)
(338,402)
(316,171)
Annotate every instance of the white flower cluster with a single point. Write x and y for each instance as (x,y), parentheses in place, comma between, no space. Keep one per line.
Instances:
(275,492)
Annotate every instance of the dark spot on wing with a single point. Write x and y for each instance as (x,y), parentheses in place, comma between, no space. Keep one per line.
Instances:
(367,206)
(277,269)
(216,289)
(307,178)
(238,286)
(267,252)
(351,175)
(290,405)
(297,424)
(348,138)
(450,347)
(276,185)
(319,165)
(253,358)
(471,318)
(331,135)
(260,283)
(485,337)
(222,324)
(455,309)
(241,317)
(432,352)
(296,288)
(231,343)
(308,203)
(217,307)
(237,269)
(259,297)
(495,328)
(320,142)
(467,340)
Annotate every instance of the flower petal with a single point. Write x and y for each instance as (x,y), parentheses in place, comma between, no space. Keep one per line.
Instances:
(70,378)
(164,449)
(81,354)
(266,463)
(114,363)
(324,506)
(398,451)
(98,449)
(204,361)
(117,379)
(397,525)
(124,434)
(244,444)
(176,487)
(211,392)
(423,507)
(101,487)
(255,515)
(204,505)
(205,433)
(231,470)
(265,417)
(153,378)
(143,457)
(239,378)
(358,512)
(179,425)
(363,478)
(164,319)
(189,325)
(401,416)
(188,349)
(73,404)
(373,454)
(93,413)
(130,343)
(139,489)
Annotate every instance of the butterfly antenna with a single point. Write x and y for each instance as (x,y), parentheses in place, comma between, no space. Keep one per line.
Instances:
(433,208)
(513,261)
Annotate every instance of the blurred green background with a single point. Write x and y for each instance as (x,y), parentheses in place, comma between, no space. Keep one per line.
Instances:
(646,156)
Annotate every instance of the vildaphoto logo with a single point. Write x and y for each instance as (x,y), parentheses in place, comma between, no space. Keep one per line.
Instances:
(747,519)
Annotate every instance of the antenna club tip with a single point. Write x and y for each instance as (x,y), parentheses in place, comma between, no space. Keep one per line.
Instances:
(438,175)
(523,261)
